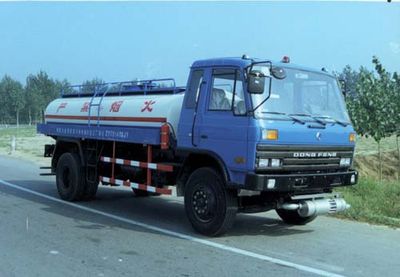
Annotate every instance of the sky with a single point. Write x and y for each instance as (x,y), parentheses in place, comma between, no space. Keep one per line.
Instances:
(126,40)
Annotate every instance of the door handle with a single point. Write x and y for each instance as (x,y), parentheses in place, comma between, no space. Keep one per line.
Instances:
(204,136)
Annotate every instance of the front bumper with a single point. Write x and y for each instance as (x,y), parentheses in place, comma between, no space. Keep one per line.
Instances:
(299,182)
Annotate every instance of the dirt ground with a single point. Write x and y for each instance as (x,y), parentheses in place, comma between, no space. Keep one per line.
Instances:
(27,148)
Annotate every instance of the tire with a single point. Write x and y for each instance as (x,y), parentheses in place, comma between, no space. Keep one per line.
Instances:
(69,177)
(293,217)
(90,190)
(210,207)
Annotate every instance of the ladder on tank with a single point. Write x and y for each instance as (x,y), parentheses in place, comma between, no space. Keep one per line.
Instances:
(145,86)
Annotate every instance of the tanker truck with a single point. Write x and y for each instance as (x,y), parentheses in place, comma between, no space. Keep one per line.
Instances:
(245,135)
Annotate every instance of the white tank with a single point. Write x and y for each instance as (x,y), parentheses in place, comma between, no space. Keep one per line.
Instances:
(131,110)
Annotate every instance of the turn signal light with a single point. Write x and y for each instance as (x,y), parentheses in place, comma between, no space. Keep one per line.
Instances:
(352,137)
(270,134)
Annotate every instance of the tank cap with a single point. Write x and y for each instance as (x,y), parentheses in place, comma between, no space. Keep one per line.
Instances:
(245,57)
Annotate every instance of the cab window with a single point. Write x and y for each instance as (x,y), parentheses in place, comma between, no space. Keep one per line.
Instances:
(227,92)
(194,89)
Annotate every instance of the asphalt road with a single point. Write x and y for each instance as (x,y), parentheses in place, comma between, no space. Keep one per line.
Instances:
(120,235)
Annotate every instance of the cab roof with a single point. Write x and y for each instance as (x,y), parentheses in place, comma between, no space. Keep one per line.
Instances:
(245,62)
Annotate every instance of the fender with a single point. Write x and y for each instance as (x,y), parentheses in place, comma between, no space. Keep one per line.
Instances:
(77,142)
(186,152)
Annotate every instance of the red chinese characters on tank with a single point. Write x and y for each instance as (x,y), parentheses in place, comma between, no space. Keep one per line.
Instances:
(148,106)
(85,107)
(62,106)
(115,106)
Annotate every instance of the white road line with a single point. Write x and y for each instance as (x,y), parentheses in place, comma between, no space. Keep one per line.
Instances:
(180,235)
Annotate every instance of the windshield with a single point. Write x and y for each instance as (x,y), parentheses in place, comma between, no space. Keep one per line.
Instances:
(301,93)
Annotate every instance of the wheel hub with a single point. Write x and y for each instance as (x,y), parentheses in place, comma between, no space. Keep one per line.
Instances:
(201,204)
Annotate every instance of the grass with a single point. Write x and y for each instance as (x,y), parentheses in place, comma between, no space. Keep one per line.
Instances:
(367,158)
(29,144)
(372,202)
(368,146)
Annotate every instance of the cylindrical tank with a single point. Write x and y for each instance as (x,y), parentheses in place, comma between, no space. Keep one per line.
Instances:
(129,110)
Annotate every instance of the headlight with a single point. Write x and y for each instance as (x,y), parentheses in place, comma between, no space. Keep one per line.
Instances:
(345,161)
(263,162)
(275,163)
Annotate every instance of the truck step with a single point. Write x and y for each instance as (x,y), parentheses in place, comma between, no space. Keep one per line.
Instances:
(118,182)
(47,174)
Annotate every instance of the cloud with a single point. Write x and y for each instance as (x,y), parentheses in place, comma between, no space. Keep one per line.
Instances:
(395,47)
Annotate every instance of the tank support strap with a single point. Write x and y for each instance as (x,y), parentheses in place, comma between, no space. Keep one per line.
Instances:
(164,137)
(113,164)
(149,154)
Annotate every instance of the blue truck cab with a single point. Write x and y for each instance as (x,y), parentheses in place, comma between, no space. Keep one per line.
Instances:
(280,132)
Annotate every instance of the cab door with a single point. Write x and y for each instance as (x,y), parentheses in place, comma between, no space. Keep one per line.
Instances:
(222,122)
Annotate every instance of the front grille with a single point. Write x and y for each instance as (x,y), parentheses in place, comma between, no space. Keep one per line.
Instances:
(302,159)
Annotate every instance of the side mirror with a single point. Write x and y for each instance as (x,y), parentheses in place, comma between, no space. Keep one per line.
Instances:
(343,86)
(278,72)
(256,82)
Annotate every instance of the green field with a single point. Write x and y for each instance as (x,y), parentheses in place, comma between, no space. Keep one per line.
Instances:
(367,146)
(373,202)
(29,144)
(367,158)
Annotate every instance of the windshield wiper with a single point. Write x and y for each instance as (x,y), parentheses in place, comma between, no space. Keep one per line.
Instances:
(274,113)
(296,119)
(344,124)
(309,115)
(292,117)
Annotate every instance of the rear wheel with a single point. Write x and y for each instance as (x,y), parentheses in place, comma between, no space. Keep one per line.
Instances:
(210,207)
(293,217)
(69,177)
(90,190)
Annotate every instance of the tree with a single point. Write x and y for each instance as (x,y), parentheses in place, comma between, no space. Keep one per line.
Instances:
(374,105)
(92,86)
(350,77)
(13,100)
(40,91)
(4,104)
(396,100)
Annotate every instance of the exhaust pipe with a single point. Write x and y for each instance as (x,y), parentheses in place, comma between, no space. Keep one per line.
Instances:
(318,206)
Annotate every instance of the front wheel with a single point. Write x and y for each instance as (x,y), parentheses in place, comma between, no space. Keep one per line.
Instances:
(210,207)
(293,217)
